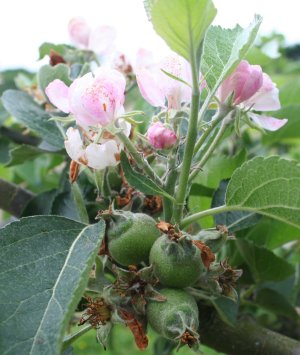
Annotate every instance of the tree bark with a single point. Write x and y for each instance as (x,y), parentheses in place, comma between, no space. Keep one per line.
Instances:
(245,338)
(13,198)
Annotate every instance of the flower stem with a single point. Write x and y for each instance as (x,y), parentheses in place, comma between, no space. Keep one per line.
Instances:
(142,163)
(170,187)
(194,217)
(190,142)
(209,151)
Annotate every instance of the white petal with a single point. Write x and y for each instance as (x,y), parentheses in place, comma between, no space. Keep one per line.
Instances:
(100,156)
(268,123)
(74,145)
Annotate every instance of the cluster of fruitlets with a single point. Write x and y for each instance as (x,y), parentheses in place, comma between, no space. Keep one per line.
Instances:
(136,239)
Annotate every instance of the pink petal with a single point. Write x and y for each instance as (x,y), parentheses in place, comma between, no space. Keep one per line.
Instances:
(266,98)
(268,123)
(144,59)
(150,88)
(77,90)
(58,94)
(244,82)
(79,31)
(102,39)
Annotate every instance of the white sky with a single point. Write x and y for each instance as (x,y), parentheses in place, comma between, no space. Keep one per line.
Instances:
(25,24)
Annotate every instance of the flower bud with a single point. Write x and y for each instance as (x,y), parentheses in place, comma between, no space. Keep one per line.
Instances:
(243,83)
(161,137)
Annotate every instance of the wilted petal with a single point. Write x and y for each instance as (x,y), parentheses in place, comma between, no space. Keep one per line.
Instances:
(266,98)
(102,39)
(79,31)
(58,94)
(74,145)
(268,123)
(150,88)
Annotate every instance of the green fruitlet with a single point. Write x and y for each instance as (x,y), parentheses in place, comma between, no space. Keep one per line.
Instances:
(176,263)
(130,237)
(176,318)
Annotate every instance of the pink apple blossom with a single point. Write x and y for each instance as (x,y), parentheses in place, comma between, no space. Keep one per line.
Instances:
(253,90)
(161,137)
(157,87)
(100,39)
(243,83)
(98,154)
(92,99)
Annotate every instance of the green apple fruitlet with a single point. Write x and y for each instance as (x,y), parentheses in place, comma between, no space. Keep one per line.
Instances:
(176,264)
(130,237)
(175,317)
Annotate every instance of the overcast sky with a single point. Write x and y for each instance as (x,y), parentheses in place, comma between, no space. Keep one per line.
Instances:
(25,24)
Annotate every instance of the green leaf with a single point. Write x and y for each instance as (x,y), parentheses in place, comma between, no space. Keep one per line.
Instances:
(22,153)
(223,50)
(46,47)
(48,73)
(268,186)
(227,309)
(219,167)
(276,303)
(40,204)
(139,181)
(182,23)
(233,220)
(25,110)
(264,265)
(290,132)
(272,234)
(45,263)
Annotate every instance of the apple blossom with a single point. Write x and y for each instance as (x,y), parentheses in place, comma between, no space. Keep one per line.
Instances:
(253,90)
(92,99)
(161,137)
(156,87)
(100,40)
(94,153)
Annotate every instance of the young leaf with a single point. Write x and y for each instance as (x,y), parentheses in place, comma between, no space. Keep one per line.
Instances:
(226,308)
(223,49)
(45,263)
(182,23)
(139,181)
(25,110)
(275,302)
(264,264)
(269,186)
(272,233)
(48,73)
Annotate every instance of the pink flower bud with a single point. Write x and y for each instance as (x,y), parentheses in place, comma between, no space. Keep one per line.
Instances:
(161,137)
(243,83)
(92,99)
